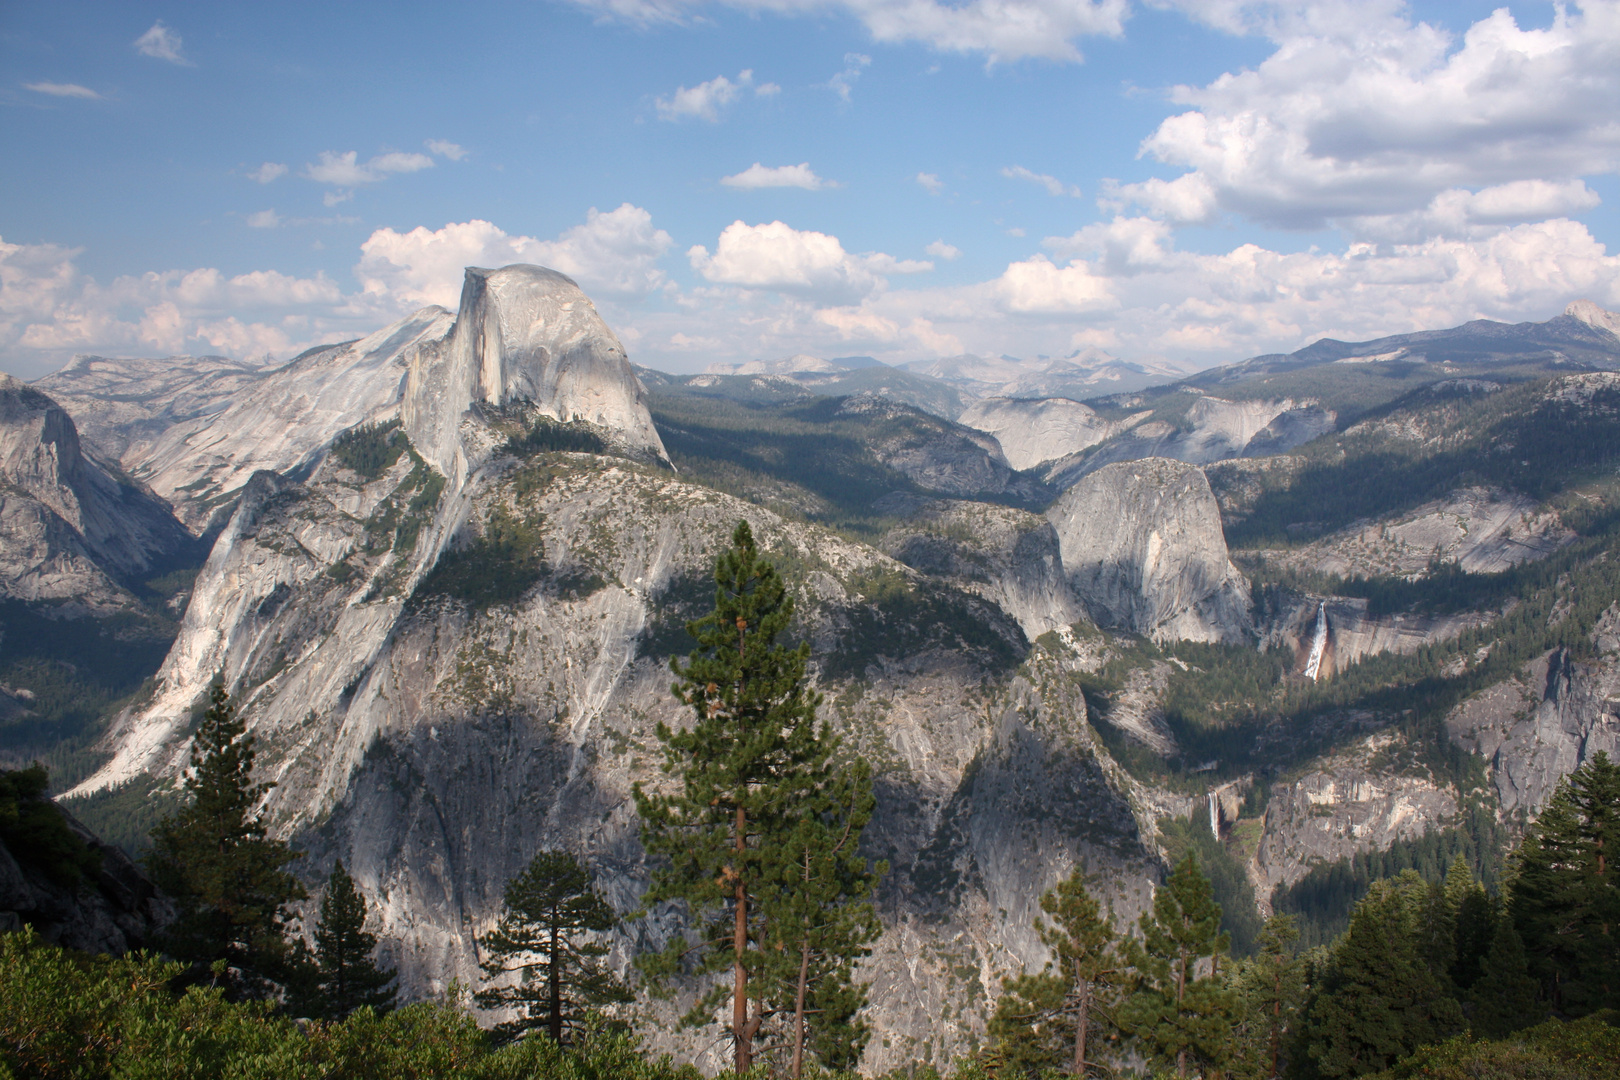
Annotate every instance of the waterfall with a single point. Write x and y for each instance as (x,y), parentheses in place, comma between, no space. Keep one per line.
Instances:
(1214,815)
(1313,666)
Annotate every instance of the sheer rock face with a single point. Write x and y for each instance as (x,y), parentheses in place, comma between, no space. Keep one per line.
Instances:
(1144,549)
(1537,728)
(69,530)
(1347,803)
(1010,557)
(523,334)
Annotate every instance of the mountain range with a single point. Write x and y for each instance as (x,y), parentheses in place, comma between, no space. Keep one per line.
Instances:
(1319,604)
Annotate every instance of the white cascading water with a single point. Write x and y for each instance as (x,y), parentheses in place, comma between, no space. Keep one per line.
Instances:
(1313,666)
(1214,815)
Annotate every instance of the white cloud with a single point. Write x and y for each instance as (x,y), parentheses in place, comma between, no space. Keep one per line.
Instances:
(614,253)
(69,90)
(807,264)
(1037,286)
(162,43)
(345,170)
(268,172)
(49,311)
(1052,184)
(445,149)
(705,100)
(757,176)
(843,82)
(335,198)
(1001,30)
(1362,118)
(931,181)
(939,249)
(264,219)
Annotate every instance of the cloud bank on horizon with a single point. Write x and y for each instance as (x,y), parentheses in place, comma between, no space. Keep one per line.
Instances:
(1372,172)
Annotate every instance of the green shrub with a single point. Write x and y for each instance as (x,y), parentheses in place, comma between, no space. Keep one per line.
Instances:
(370,449)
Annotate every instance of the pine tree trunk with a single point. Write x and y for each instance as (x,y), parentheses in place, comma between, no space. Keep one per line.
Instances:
(554,976)
(798,1005)
(739,945)
(1082,1020)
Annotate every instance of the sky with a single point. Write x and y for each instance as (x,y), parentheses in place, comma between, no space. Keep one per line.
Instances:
(1193,181)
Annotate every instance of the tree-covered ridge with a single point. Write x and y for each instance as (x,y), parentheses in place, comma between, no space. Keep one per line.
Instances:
(1543,438)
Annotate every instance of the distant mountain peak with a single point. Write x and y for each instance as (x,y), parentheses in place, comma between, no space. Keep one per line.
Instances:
(1592,315)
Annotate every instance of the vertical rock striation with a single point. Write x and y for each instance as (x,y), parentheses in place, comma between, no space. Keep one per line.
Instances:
(1143,547)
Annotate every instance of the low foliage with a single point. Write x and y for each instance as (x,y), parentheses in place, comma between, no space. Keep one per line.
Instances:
(36,833)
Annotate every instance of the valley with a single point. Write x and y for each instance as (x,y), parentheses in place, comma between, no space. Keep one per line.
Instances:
(443,569)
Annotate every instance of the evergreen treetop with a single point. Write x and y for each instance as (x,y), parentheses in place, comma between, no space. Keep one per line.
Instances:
(342,975)
(213,857)
(548,914)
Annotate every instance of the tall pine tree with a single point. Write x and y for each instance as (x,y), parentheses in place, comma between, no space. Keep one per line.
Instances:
(1052,1019)
(1270,985)
(1181,1012)
(547,913)
(1505,994)
(720,839)
(1382,997)
(227,877)
(342,975)
(821,912)
(1565,891)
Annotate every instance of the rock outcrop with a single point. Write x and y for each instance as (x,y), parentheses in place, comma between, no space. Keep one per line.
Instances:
(934,454)
(1034,432)
(1212,429)
(1010,557)
(284,422)
(523,335)
(69,529)
(1143,547)
(113,910)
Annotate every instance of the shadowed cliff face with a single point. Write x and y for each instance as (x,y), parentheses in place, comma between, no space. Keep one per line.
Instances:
(69,530)
(1143,547)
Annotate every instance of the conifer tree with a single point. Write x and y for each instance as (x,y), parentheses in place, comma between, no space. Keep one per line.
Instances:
(820,912)
(1473,916)
(1565,893)
(1049,1019)
(546,914)
(341,975)
(1381,999)
(1505,994)
(754,747)
(1270,986)
(226,876)
(1178,1015)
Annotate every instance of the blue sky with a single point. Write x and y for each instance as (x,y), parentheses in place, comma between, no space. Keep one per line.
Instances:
(1192,181)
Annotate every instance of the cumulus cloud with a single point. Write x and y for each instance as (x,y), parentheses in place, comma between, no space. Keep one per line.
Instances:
(68,90)
(161,43)
(1001,30)
(706,100)
(1052,184)
(444,149)
(264,219)
(807,264)
(757,176)
(939,249)
(1363,118)
(613,253)
(49,310)
(931,182)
